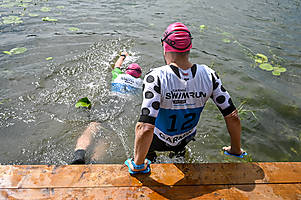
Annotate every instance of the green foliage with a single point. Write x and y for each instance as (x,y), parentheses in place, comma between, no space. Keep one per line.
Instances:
(83,102)
(12,20)
(278,70)
(17,50)
(260,58)
(203,27)
(73,29)
(45,9)
(226,40)
(24,5)
(8,5)
(33,15)
(266,66)
(49,19)
(7,52)
(242,111)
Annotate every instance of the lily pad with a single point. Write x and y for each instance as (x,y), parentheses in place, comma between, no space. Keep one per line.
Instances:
(33,14)
(83,102)
(8,5)
(49,19)
(73,29)
(45,9)
(17,50)
(49,58)
(12,20)
(276,73)
(260,58)
(280,69)
(7,52)
(225,40)
(203,27)
(60,7)
(266,66)
(227,34)
(24,5)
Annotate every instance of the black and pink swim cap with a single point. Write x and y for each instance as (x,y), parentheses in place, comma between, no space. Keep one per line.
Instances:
(134,70)
(177,38)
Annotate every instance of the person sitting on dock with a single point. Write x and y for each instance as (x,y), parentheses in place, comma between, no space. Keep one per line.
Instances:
(174,96)
(122,83)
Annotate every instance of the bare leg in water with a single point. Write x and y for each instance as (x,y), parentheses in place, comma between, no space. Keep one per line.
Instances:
(99,150)
(83,142)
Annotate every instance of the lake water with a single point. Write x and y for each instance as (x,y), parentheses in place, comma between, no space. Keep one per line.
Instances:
(71,45)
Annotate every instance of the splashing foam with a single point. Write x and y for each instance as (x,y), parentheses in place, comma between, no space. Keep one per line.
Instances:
(57,91)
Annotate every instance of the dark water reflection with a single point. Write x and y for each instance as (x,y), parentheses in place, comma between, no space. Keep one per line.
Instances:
(39,123)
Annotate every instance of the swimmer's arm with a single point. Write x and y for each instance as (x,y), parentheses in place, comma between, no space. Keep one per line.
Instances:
(143,139)
(234,128)
(120,60)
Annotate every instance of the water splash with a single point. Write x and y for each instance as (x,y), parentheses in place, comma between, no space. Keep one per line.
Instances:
(53,100)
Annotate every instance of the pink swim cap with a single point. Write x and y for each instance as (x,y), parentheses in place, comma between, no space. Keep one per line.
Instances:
(176,38)
(134,70)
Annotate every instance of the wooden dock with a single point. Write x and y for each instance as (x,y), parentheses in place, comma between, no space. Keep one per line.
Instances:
(240,181)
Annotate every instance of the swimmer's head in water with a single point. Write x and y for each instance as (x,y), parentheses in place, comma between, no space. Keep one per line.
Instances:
(134,70)
(176,38)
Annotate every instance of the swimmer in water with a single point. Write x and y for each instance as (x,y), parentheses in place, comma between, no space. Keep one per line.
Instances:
(128,82)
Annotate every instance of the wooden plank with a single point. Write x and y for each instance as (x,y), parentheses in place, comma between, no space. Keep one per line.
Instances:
(104,175)
(239,192)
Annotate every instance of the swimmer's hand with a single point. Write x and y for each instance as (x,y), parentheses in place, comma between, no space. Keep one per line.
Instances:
(229,151)
(138,169)
(124,53)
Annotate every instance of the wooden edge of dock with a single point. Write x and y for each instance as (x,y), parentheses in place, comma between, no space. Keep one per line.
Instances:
(270,180)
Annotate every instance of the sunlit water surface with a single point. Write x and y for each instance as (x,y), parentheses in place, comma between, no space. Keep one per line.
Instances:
(39,123)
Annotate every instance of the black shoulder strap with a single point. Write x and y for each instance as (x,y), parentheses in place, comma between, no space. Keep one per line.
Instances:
(193,70)
(175,70)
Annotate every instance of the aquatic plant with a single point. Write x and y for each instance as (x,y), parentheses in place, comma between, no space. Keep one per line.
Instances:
(83,102)
(73,29)
(260,59)
(263,63)
(24,1)
(242,111)
(33,14)
(278,70)
(8,5)
(202,27)
(17,50)
(266,66)
(226,40)
(45,9)
(49,19)
(12,20)
(24,5)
